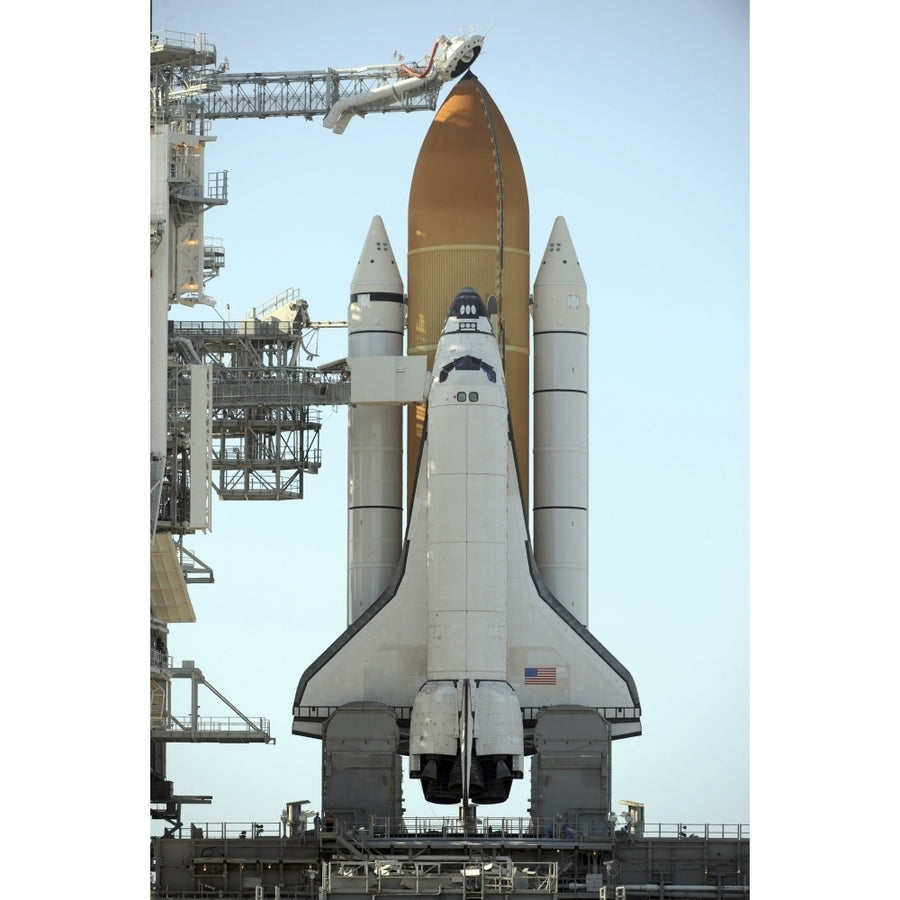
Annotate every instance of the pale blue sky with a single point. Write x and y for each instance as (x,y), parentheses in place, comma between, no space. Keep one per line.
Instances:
(631,120)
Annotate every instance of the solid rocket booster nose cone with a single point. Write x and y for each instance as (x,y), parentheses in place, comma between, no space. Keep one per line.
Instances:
(559,264)
(377,271)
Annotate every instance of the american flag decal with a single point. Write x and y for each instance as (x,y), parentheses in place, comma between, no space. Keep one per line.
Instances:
(540,675)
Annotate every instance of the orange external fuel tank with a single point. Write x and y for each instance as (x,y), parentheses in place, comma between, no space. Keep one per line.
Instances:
(468,227)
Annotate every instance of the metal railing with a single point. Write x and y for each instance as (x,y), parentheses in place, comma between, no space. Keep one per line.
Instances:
(238,328)
(451,827)
(474,877)
(692,831)
(211,725)
(160,660)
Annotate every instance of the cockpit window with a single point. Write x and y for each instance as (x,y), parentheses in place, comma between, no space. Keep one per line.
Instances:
(467,304)
(469,364)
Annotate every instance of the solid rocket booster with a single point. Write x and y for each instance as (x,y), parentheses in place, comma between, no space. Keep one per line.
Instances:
(468,226)
(561,423)
(375,432)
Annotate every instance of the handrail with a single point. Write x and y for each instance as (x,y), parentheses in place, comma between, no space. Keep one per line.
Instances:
(209,724)
(505,828)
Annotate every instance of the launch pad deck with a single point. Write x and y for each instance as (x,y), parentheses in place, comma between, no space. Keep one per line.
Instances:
(424,857)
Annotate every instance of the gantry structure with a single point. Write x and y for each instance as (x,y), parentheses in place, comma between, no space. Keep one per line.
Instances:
(235,407)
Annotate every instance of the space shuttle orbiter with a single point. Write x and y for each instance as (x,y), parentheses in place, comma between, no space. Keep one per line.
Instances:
(458,626)
(467,636)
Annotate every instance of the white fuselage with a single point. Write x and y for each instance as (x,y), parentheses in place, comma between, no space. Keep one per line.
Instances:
(466,477)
